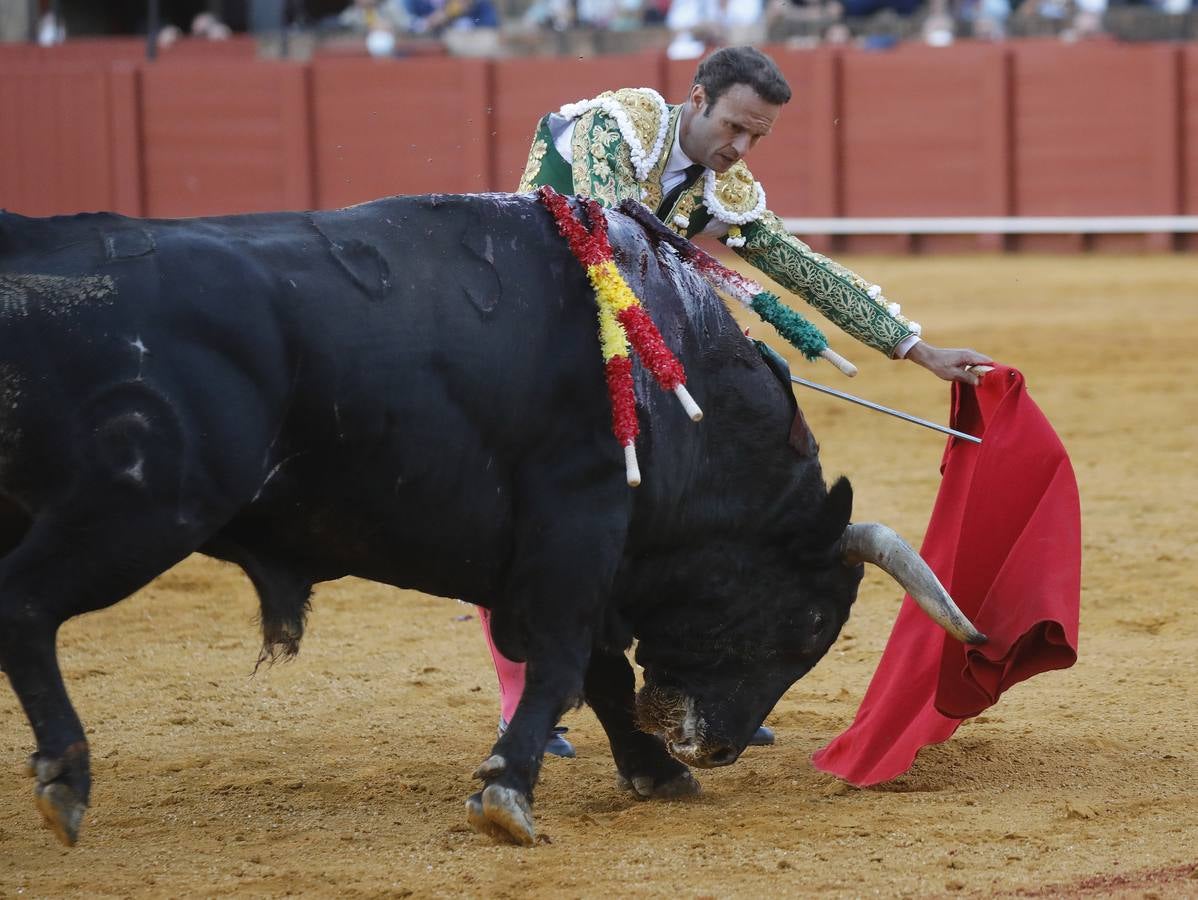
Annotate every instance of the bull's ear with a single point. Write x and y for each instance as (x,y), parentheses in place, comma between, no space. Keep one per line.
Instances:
(834,516)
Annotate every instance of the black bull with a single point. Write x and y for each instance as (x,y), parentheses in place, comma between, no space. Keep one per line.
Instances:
(410,391)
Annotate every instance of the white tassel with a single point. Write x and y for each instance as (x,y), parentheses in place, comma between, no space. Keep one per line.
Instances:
(839,361)
(631,470)
(688,403)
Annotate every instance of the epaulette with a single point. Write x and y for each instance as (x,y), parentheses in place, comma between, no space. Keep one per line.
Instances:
(642,117)
(734,197)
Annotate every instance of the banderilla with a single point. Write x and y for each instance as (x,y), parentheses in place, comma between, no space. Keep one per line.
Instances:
(877,407)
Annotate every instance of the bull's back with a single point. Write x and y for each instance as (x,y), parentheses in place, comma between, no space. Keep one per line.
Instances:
(407,366)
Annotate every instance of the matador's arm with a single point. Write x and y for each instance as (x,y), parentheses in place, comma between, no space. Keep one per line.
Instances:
(845,298)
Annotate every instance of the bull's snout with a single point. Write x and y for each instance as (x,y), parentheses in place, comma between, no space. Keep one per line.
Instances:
(703,755)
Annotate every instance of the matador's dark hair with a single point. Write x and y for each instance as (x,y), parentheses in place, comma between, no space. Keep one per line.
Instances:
(741,65)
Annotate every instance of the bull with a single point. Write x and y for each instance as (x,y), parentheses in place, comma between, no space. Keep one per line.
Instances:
(410,391)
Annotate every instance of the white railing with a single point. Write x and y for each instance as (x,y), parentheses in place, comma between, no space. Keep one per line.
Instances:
(998,225)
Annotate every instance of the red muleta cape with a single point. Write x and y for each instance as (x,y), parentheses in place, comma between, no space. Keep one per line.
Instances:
(1005,540)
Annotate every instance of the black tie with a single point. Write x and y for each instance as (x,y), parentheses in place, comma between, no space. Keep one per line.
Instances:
(689,176)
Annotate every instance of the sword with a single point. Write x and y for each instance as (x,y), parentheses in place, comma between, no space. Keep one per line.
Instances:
(868,404)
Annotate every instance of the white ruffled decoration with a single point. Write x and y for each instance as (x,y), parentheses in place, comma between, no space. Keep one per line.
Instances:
(915,327)
(875,291)
(642,162)
(724,214)
(893,308)
(682,221)
(735,242)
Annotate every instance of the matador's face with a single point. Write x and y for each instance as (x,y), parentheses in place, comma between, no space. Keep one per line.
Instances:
(721,133)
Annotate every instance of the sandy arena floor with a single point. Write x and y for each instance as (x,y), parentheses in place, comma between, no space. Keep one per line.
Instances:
(343,773)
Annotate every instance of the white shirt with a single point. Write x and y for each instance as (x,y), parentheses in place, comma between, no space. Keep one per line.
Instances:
(676,165)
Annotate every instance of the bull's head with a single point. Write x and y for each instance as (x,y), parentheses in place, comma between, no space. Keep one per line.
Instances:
(756,618)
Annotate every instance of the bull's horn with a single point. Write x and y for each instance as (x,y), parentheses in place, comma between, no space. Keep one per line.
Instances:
(877,544)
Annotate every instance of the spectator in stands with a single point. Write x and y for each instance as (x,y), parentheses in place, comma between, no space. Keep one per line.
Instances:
(654,12)
(51,30)
(938,28)
(561,15)
(801,18)
(557,15)
(434,16)
(1057,10)
(1072,20)
(985,19)
(380,20)
(375,15)
(859,9)
(168,36)
(207,26)
(1087,20)
(699,24)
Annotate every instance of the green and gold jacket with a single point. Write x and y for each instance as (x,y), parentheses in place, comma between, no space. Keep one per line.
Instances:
(621,143)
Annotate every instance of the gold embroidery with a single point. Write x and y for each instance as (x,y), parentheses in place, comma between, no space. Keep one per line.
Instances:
(736,190)
(835,291)
(687,203)
(528,181)
(602,166)
(643,107)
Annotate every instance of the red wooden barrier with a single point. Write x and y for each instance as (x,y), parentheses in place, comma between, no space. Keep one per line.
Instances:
(1095,134)
(399,127)
(128,197)
(129,49)
(526,89)
(56,151)
(923,131)
(1031,128)
(238,47)
(12,52)
(80,50)
(228,138)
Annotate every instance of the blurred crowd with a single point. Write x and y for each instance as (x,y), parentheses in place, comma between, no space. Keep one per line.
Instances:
(685,28)
(688,28)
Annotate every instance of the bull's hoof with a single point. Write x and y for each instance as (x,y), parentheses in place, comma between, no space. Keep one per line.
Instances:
(62,809)
(492,767)
(646,788)
(503,814)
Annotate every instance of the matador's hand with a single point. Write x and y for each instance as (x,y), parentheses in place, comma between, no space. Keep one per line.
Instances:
(949,364)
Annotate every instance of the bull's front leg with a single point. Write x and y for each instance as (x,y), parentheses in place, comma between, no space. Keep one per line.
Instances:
(570,538)
(645,766)
(552,684)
